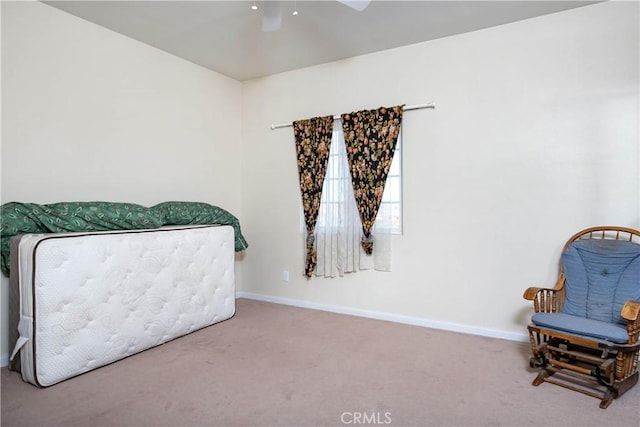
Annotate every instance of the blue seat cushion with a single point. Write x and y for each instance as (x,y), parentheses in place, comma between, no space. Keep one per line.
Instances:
(601,275)
(582,326)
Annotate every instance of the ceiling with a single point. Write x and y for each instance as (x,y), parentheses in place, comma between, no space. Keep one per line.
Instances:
(227,36)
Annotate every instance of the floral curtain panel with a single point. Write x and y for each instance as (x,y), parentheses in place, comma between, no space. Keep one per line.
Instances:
(313,141)
(370,137)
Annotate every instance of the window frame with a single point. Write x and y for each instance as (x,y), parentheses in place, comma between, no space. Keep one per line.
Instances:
(397,157)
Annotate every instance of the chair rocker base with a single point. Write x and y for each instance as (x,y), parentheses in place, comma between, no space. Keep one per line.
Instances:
(586,385)
(587,370)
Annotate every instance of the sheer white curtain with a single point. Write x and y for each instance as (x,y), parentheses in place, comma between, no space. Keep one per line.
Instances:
(339,229)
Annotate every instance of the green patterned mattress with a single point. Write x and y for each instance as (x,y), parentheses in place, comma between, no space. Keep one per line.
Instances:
(18,218)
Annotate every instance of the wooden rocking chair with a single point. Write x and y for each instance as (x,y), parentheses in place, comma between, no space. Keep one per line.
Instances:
(585,331)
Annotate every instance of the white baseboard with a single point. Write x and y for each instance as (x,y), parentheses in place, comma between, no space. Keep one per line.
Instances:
(398,318)
(4,360)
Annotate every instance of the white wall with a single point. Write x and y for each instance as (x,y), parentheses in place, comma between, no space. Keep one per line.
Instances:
(535,136)
(88,114)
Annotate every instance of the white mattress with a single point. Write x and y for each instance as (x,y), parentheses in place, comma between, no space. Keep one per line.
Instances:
(89,299)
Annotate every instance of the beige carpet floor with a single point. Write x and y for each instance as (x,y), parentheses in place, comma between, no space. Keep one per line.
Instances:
(274,365)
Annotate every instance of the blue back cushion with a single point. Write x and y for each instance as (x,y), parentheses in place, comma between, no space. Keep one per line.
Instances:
(601,275)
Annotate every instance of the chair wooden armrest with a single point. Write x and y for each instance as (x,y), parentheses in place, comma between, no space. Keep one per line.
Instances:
(532,292)
(631,313)
(630,310)
(547,300)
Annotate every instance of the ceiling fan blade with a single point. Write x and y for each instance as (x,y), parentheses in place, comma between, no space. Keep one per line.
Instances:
(271,16)
(358,5)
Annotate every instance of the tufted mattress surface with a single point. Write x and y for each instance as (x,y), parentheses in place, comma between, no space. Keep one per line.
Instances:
(89,299)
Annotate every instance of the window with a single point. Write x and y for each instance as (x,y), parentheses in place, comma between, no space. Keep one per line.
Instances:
(337,192)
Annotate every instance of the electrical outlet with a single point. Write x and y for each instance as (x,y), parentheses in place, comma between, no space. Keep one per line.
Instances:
(285,275)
